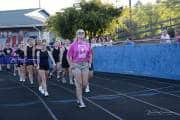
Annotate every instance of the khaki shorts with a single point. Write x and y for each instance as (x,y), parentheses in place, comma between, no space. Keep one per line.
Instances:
(81,66)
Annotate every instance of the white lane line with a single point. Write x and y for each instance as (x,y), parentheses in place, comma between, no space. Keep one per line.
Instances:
(42,101)
(142,86)
(171,84)
(136,99)
(97,105)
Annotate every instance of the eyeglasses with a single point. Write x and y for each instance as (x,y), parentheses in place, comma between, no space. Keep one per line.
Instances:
(80,33)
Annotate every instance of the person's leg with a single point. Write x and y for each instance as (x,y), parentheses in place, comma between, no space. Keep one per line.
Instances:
(90,76)
(19,73)
(41,76)
(79,84)
(8,67)
(23,73)
(58,69)
(38,77)
(0,67)
(52,70)
(85,76)
(70,76)
(64,74)
(30,73)
(15,69)
(45,83)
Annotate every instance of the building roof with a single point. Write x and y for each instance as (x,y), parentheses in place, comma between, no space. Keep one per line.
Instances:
(23,18)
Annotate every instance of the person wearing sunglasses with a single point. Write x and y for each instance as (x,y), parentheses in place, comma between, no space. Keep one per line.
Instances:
(80,58)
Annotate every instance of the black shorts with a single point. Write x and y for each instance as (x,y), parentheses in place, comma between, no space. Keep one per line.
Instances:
(65,64)
(44,67)
(91,68)
(56,60)
(19,64)
(29,63)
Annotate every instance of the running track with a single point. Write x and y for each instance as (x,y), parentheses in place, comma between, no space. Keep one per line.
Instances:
(112,97)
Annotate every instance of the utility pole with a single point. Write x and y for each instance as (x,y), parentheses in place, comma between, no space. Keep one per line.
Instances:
(39,3)
(117,27)
(130,18)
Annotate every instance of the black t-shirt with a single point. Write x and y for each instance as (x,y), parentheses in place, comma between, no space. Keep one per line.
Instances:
(56,53)
(29,52)
(48,48)
(7,51)
(20,53)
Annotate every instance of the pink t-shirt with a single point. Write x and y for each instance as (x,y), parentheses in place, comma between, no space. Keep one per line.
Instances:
(14,51)
(178,39)
(79,51)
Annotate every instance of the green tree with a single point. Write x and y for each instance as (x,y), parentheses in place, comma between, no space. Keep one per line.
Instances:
(94,17)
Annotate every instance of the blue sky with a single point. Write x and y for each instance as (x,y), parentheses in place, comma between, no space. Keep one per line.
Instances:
(51,6)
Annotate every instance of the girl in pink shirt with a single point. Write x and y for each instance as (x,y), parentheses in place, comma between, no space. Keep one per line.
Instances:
(80,58)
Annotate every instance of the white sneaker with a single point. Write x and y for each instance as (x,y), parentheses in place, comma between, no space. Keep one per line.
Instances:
(77,101)
(20,80)
(13,74)
(46,94)
(31,82)
(87,89)
(63,80)
(40,88)
(50,74)
(42,92)
(58,77)
(71,82)
(23,80)
(82,105)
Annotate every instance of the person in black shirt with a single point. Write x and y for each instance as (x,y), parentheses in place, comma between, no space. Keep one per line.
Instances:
(36,70)
(29,53)
(7,52)
(21,62)
(56,53)
(65,65)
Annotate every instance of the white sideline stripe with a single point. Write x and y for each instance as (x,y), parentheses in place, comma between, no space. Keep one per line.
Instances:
(42,101)
(133,98)
(97,105)
(157,90)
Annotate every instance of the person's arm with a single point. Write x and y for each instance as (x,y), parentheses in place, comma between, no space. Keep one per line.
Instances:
(33,52)
(51,57)
(25,51)
(69,55)
(38,59)
(61,50)
(91,57)
(35,56)
(69,59)
(5,51)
